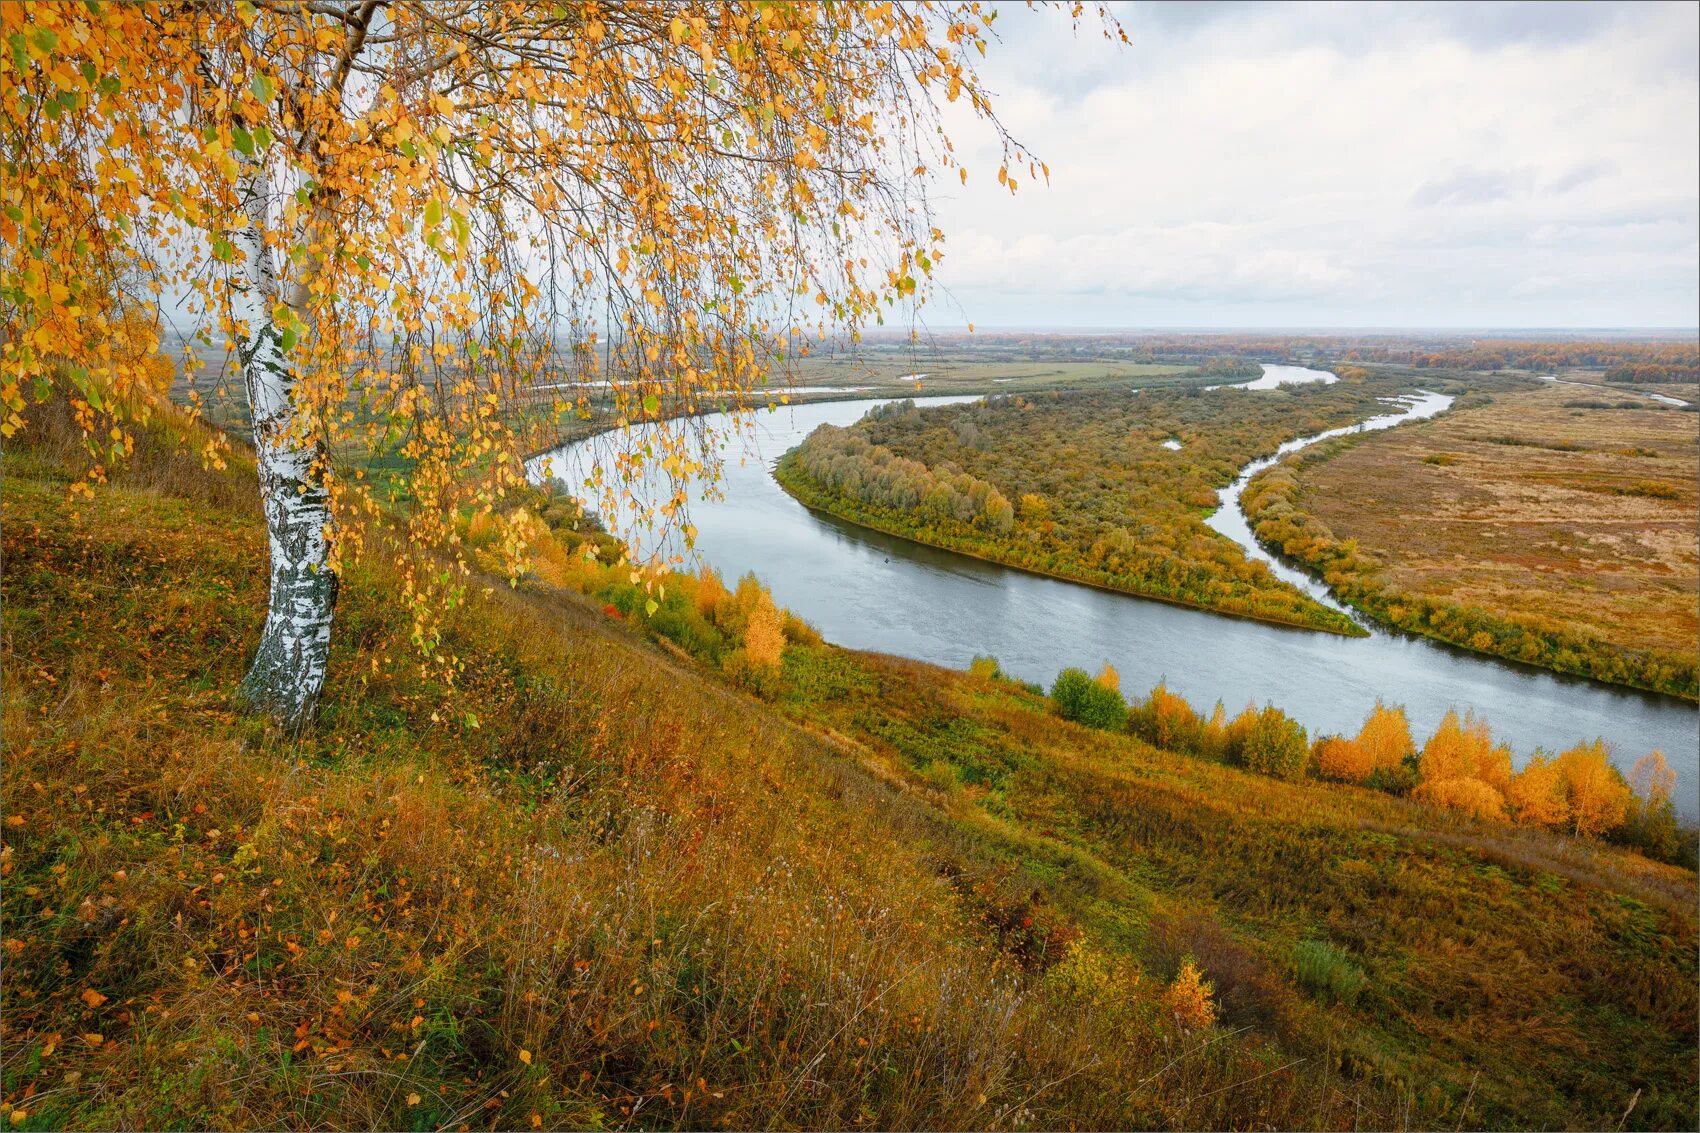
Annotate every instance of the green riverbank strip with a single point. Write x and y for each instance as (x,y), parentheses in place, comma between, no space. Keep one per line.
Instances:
(802,488)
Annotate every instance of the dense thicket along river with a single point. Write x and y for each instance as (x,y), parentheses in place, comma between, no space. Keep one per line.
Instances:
(868,590)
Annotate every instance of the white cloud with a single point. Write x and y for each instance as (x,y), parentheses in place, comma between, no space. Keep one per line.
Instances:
(1328,164)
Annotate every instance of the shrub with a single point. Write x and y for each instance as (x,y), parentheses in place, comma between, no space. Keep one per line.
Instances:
(1167,721)
(1340,758)
(986,668)
(679,620)
(1276,745)
(1245,988)
(1537,795)
(1236,732)
(764,636)
(1213,735)
(1472,796)
(710,592)
(1189,998)
(1080,698)
(1465,750)
(1325,971)
(800,632)
(1093,978)
(761,679)
(1400,779)
(1386,735)
(1649,489)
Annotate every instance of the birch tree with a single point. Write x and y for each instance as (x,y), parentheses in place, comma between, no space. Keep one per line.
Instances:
(407,221)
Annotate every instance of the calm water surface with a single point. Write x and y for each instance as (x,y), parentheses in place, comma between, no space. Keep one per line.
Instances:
(872,591)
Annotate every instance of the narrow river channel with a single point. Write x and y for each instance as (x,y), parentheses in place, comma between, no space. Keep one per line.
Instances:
(867,590)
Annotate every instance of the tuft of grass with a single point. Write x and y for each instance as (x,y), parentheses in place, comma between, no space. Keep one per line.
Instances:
(1650,490)
(1324,970)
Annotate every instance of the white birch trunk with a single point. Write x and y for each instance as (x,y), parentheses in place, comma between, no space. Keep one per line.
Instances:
(289,667)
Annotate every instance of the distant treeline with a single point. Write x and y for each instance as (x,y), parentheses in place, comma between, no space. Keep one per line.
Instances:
(1675,358)
(1654,373)
(1422,351)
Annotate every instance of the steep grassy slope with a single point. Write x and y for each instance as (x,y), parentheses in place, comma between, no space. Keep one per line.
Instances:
(1543,978)
(594,886)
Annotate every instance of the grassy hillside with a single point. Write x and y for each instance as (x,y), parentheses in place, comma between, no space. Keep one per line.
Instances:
(595,886)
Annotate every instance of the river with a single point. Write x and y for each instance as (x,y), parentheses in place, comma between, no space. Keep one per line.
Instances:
(867,590)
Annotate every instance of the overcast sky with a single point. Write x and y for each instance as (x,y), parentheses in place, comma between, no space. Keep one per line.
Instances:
(1332,165)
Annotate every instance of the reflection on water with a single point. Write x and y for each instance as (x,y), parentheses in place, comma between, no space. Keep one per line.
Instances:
(866,590)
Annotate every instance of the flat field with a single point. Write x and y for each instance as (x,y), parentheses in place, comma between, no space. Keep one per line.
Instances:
(1586,515)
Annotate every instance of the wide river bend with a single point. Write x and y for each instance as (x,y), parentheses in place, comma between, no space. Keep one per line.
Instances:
(868,590)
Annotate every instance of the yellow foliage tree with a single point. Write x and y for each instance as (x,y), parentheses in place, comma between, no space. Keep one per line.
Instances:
(1493,767)
(1386,736)
(1598,796)
(1190,998)
(1465,750)
(764,636)
(1234,735)
(413,222)
(1109,678)
(1652,779)
(710,592)
(1171,721)
(1538,795)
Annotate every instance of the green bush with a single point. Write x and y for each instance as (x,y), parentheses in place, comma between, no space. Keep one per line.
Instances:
(678,620)
(1276,745)
(1325,971)
(1080,698)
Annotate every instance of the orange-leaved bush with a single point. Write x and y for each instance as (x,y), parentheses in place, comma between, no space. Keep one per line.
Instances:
(1109,678)
(1472,796)
(1340,758)
(1465,750)
(1190,998)
(764,636)
(1537,795)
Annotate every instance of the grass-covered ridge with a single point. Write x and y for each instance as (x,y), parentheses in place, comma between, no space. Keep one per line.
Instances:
(595,886)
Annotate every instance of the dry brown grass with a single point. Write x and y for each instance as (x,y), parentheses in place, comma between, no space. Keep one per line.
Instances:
(1558,521)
